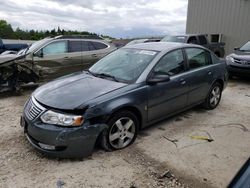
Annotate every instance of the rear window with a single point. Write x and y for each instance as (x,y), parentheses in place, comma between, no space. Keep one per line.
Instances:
(99,45)
(180,39)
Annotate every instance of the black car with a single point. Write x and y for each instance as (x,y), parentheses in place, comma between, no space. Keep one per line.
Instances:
(200,39)
(239,61)
(122,93)
(12,46)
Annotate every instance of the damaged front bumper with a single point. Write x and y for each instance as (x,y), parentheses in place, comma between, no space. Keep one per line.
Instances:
(14,72)
(62,142)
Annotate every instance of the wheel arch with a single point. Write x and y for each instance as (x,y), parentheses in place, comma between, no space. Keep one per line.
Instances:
(130,108)
(220,81)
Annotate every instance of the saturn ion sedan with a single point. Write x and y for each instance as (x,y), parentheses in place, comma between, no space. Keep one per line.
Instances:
(127,90)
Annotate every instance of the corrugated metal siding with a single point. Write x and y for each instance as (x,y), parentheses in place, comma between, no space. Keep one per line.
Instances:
(228,17)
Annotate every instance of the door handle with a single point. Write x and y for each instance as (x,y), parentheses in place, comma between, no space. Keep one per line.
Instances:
(209,72)
(94,55)
(182,81)
(66,57)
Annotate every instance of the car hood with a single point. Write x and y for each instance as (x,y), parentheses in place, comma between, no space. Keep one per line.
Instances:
(244,55)
(10,57)
(70,92)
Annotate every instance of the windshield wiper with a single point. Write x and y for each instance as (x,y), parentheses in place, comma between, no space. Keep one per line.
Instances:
(106,75)
(102,75)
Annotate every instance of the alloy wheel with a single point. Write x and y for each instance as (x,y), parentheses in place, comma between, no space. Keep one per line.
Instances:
(122,133)
(215,96)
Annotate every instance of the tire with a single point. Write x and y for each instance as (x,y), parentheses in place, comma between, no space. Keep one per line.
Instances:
(117,136)
(213,97)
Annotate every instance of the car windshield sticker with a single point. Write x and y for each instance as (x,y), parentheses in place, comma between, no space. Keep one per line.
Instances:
(146,52)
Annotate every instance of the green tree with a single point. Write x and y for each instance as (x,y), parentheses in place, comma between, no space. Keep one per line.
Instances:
(6,30)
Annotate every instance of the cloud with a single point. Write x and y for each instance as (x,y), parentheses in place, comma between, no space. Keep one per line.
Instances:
(117,18)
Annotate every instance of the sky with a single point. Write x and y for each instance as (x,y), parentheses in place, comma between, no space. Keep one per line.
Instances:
(116,18)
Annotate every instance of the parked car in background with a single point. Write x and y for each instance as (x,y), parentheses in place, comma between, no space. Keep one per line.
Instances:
(216,47)
(8,52)
(137,41)
(127,90)
(12,46)
(239,61)
(51,58)
(242,178)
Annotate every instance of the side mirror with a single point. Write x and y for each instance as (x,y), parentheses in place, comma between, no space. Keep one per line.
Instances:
(157,78)
(236,48)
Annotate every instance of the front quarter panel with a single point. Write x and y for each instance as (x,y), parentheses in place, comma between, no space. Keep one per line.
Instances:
(135,97)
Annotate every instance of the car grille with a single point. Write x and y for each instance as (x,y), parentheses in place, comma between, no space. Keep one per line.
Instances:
(33,109)
(240,61)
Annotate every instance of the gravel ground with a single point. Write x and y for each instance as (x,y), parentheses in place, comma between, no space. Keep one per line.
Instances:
(164,155)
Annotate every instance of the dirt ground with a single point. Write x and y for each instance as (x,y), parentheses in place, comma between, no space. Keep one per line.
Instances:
(164,155)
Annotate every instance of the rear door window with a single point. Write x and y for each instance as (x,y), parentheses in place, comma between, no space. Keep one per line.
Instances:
(198,57)
(99,45)
(171,64)
(85,46)
(91,46)
(75,46)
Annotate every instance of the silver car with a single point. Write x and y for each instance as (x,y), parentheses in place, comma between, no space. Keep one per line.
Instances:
(51,58)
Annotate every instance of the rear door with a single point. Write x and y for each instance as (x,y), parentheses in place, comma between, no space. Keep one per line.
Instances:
(74,57)
(92,52)
(200,74)
(168,97)
(99,49)
(89,57)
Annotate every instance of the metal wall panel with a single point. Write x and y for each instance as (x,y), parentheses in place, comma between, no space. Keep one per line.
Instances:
(231,18)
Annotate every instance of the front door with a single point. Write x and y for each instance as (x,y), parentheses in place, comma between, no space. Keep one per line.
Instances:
(168,97)
(54,60)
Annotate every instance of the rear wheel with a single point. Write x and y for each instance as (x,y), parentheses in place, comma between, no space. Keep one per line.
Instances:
(214,97)
(122,131)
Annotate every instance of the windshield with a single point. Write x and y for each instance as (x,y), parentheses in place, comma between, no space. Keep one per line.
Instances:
(245,47)
(174,39)
(125,65)
(36,45)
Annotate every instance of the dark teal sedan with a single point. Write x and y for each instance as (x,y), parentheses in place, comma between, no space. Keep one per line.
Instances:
(127,90)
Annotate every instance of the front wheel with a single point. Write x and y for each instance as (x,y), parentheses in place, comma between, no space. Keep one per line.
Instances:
(214,97)
(122,131)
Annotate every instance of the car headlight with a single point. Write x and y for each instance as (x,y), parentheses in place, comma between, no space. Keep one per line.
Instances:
(230,59)
(51,117)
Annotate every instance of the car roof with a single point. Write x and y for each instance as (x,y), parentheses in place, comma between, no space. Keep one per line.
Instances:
(160,46)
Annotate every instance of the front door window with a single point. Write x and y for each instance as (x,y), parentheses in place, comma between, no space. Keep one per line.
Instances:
(55,48)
